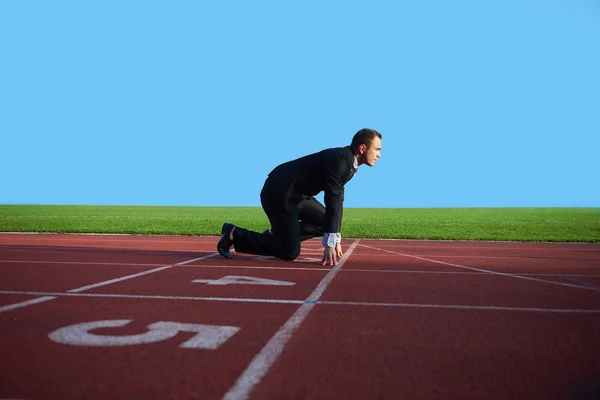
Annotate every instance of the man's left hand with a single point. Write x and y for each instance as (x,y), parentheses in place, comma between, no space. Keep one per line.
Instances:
(338,250)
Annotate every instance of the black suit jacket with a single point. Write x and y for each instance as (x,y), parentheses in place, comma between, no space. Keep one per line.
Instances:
(327,170)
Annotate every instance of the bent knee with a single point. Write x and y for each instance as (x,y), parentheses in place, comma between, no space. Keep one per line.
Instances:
(290,254)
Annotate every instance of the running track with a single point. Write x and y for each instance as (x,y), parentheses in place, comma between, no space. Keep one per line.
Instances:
(158,317)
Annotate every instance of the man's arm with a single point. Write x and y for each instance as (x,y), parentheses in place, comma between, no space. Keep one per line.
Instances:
(335,171)
(334,174)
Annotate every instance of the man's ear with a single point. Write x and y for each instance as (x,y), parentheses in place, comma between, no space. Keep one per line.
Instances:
(363,148)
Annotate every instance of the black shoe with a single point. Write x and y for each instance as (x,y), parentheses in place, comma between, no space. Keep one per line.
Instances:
(225,243)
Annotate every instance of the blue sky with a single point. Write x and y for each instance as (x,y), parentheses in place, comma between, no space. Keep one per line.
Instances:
(480,103)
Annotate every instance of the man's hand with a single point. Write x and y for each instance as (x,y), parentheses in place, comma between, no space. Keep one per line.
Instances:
(338,250)
(329,256)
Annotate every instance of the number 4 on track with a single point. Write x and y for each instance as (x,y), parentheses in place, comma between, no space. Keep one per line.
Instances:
(243,280)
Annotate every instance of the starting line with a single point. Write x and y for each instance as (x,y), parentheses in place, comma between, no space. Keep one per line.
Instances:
(52,295)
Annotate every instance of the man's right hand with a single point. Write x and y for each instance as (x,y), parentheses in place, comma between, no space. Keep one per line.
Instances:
(329,256)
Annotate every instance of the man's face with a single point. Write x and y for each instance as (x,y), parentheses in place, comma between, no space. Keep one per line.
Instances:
(372,152)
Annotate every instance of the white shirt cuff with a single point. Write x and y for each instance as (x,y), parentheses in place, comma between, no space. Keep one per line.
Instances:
(331,239)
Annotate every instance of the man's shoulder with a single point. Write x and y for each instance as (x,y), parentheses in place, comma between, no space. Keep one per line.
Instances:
(340,154)
(341,151)
(330,154)
(326,153)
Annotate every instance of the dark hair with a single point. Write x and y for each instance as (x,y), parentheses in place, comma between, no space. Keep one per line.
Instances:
(364,136)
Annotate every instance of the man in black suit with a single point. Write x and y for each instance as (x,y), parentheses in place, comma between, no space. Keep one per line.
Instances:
(288,200)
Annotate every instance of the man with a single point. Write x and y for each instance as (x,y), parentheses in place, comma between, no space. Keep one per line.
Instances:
(287,198)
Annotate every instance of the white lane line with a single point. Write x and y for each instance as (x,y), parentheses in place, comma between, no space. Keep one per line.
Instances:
(261,363)
(312,260)
(408,271)
(103,237)
(284,301)
(154,297)
(25,303)
(561,259)
(463,307)
(95,285)
(577,279)
(79,263)
(564,258)
(487,270)
(24,248)
(495,245)
(54,295)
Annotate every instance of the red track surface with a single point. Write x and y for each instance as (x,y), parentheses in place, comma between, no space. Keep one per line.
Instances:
(395,320)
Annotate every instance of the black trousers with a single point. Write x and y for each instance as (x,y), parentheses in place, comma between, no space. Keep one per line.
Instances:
(294,218)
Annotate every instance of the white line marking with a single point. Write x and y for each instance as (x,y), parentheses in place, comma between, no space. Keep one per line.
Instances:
(47,298)
(308,260)
(448,244)
(25,303)
(261,363)
(487,270)
(582,281)
(95,285)
(154,297)
(77,237)
(79,263)
(543,258)
(407,271)
(463,307)
(83,288)
(283,301)
(23,248)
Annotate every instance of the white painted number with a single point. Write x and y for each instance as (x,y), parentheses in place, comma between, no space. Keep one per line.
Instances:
(301,260)
(208,337)
(243,280)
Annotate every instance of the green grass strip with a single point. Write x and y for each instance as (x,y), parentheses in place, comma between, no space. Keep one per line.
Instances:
(506,224)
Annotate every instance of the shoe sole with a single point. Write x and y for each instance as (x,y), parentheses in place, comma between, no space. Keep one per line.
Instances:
(224,253)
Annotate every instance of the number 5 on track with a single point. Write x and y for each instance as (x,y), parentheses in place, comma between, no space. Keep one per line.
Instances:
(209,337)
